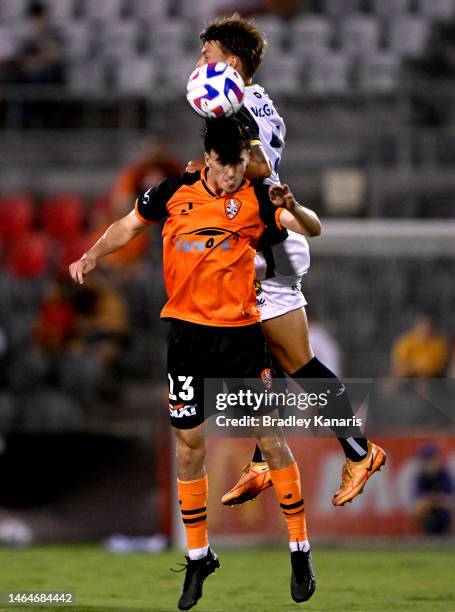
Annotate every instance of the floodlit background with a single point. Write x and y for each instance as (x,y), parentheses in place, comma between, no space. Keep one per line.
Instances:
(92,110)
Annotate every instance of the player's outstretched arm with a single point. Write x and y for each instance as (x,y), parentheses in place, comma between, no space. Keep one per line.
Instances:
(259,166)
(113,239)
(296,217)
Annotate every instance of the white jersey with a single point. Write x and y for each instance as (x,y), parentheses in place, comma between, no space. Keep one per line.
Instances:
(272,129)
(284,260)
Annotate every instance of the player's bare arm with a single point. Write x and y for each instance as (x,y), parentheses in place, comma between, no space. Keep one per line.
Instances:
(259,166)
(296,217)
(113,239)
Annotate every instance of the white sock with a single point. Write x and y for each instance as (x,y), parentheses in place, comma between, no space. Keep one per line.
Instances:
(198,553)
(303,546)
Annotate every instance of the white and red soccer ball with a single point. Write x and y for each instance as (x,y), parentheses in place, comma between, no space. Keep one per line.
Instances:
(215,90)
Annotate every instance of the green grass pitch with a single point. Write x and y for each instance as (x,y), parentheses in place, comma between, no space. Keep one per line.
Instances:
(248,580)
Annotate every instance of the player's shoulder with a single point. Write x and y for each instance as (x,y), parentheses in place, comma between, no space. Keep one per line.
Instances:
(186,178)
(190,178)
(172,184)
(256,95)
(261,190)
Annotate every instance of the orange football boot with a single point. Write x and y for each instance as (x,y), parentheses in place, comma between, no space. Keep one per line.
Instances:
(356,473)
(254,479)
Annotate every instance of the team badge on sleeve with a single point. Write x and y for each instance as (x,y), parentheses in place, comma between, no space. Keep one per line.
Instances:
(232,207)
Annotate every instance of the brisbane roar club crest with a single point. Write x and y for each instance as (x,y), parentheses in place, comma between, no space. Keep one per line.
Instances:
(232,207)
(266,376)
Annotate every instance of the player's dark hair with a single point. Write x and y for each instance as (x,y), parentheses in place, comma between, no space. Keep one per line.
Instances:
(227,137)
(240,37)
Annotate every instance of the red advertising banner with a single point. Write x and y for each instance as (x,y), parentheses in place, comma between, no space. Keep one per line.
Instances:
(385,509)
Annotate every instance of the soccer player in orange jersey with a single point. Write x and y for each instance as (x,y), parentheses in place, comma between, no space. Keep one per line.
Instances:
(280,264)
(213,221)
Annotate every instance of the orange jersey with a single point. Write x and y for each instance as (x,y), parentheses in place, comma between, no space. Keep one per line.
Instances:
(208,247)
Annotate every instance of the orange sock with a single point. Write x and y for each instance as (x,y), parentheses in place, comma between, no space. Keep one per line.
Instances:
(193,506)
(286,483)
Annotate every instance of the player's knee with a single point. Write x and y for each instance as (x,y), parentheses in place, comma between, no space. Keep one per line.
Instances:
(291,358)
(190,449)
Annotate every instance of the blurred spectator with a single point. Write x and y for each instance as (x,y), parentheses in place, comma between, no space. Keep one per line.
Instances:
(40,58)
(420,352)
(51,333)
(155,163)
(451,366)
(429,74)
(433,490)
(8,51)
(324,345)
(55,324)
(39,61)
(100,331)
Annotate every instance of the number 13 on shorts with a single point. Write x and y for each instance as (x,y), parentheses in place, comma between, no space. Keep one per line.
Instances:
(186,392)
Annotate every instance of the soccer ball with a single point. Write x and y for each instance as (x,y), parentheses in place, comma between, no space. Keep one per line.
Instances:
(215,90)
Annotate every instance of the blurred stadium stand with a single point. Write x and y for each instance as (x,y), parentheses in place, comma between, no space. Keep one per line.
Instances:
(338,71)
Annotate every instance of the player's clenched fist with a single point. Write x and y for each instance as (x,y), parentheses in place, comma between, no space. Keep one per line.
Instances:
(78,269)
(280,195)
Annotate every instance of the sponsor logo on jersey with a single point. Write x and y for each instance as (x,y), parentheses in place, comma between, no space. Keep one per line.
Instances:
(232,207)
(263,111)
(199,240)
(266,377)
(182,410)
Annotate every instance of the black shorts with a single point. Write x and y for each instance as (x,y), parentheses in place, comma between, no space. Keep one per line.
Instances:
(198,352)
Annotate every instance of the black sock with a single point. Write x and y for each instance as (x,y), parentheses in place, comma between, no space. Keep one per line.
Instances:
(354,445)
(257,457)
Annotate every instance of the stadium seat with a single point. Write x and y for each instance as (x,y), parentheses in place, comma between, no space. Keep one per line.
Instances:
(379,74)
(171,39)
(329,74)
(78,38)
(359,34)
(311,35)
(390,8)
(16,216)
(103,9)
(437,10)
(29,255)
(146,10)
(61,10)
(119,40)
(175,74)
(340,8)
(273,29)
(281,73)
(137,75)
(12,9)
(87,76)
(62,216)
(200,12)
(72,250)
(408,35)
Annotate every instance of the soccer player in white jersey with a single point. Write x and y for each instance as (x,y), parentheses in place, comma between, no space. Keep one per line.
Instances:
(281,261)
